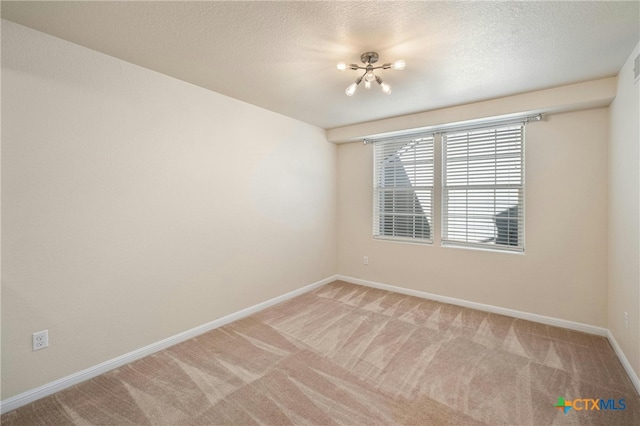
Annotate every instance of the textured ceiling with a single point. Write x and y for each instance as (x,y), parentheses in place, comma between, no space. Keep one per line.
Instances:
(281,55)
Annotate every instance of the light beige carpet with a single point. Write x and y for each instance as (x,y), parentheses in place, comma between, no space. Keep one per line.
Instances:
(346,354)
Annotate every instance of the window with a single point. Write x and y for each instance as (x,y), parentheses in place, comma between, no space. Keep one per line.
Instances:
(483,188)
(403,188)
(480,193)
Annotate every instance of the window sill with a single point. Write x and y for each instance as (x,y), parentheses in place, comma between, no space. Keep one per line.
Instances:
(414,241)
(489,249)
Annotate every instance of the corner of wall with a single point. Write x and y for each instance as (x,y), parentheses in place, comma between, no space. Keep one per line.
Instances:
(623,293)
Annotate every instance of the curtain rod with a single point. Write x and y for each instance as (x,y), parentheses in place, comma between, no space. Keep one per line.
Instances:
(453,127)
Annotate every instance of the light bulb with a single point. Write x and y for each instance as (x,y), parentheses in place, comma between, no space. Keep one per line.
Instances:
(341,66)
(367,84)
(351,89)
(369,76)
(398,65)
(385,88)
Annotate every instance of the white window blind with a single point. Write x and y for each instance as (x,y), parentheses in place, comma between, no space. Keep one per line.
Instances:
(403,188)
(483,188)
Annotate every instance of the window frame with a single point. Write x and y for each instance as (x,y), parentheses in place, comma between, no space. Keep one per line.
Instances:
(446,239)
(380,214)
(438,192)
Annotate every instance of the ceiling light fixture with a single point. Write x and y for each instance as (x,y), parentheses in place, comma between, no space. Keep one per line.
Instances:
(368,59)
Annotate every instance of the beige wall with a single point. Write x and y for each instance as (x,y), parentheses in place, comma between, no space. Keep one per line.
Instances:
(136,206)
(624,214)
(563,272)
(572,97)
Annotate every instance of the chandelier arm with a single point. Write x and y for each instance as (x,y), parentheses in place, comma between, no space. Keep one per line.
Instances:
(384,67)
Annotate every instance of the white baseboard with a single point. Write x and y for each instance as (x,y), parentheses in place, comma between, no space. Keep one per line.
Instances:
(586,328)
(625,362)
(24,398)
(17,401)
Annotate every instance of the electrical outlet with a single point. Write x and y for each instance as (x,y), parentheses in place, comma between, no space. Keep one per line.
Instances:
(626,319)
(40,340)
(365,260)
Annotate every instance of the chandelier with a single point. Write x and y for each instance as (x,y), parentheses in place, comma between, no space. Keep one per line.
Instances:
(368,59)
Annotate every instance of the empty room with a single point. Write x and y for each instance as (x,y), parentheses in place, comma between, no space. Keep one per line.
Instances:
(320,212)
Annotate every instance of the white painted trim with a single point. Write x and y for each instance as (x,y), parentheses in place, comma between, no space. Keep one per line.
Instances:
(24,398)
(27,397)
(625,362)
(585,328)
